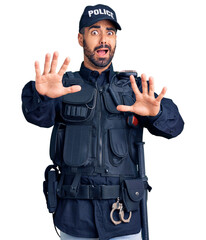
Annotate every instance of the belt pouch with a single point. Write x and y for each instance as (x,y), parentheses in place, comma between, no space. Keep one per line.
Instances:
(132,193)
(50,189)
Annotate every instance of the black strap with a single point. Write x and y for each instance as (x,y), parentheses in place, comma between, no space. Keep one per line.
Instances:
(73,170)
(74,188)
(91,192)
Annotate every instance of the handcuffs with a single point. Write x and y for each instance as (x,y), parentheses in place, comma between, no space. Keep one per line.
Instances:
(119,206)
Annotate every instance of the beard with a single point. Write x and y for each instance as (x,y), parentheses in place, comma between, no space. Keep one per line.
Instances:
(98,62)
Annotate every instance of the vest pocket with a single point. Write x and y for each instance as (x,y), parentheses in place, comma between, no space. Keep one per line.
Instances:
(118,146)
(132,193)
(57,143)
(79,107)
(77,145)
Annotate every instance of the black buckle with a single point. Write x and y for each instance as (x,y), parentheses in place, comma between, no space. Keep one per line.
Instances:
(95,192)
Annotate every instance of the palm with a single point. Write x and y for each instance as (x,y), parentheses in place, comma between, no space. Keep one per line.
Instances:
(49,85)
(50,82)
(146,104)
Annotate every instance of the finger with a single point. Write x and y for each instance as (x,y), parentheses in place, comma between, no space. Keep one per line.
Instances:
(54,62)
(124,108)
(37,70)
(47,63)
(72,89)
(151,86)
(64,66)
(161,95)
(144,84)
(134,85)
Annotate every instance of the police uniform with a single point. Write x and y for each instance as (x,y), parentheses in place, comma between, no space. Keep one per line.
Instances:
(95,149)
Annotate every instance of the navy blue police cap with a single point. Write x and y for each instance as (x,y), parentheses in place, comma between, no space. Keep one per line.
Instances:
(93,14)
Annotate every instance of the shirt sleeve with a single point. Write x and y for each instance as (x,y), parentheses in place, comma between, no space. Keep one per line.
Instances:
(37,109)
(168,123)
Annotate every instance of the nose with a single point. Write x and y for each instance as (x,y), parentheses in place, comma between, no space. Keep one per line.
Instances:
(103,39)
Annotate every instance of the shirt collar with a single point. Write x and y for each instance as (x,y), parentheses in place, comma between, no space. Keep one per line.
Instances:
(90,75)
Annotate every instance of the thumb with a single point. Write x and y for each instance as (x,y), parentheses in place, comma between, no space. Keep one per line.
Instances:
(72,89)
(124,108)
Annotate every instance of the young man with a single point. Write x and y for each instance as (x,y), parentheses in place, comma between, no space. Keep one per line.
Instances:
(98,119)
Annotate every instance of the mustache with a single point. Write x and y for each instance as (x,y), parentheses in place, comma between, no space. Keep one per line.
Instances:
(103,46)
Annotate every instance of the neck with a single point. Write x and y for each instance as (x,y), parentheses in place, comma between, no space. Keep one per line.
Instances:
(92,67)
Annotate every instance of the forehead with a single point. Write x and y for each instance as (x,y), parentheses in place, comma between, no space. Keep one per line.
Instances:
(103,24)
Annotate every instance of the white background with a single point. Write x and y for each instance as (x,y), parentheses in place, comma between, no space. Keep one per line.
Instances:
(165,39)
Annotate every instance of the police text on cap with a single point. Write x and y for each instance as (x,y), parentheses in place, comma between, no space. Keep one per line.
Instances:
(100,12)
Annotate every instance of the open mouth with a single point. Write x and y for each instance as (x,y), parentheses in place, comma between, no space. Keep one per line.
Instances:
(102,52)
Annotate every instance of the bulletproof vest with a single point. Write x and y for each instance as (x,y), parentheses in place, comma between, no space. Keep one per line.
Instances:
(93,137)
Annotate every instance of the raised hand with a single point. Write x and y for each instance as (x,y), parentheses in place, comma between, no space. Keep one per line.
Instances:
(146,104)
(50,83)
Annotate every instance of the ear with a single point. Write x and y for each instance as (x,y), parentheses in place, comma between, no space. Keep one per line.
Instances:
(80,39)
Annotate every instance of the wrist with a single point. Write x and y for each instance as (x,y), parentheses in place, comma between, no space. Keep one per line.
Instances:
(153,118)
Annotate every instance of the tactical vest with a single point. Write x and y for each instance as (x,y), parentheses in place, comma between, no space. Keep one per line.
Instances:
(94,138)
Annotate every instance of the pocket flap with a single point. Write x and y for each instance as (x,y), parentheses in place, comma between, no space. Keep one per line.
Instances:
(110,105)
(128,99)
(84,96)
(135,189)
(118,142)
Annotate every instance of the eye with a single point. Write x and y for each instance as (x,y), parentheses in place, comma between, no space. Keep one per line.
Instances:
(110,33)
(95,32)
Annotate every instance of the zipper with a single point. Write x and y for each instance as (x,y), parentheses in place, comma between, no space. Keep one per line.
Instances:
(99,124)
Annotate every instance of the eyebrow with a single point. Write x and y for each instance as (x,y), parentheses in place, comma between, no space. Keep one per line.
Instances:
(108,28)
(94,26)
(112,29)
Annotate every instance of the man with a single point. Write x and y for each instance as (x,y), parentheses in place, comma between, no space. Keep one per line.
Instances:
(98,119)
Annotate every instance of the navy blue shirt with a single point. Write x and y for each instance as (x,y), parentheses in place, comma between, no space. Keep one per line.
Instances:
(91,218)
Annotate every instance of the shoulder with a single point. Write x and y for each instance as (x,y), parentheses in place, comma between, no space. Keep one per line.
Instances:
(123,77)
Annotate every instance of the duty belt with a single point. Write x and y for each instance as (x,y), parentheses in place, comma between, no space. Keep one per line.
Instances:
(90,192)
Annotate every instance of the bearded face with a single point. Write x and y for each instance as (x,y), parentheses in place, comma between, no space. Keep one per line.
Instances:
(101,56)
(99,44)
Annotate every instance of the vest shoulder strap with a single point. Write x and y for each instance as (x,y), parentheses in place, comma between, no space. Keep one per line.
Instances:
(72,78)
